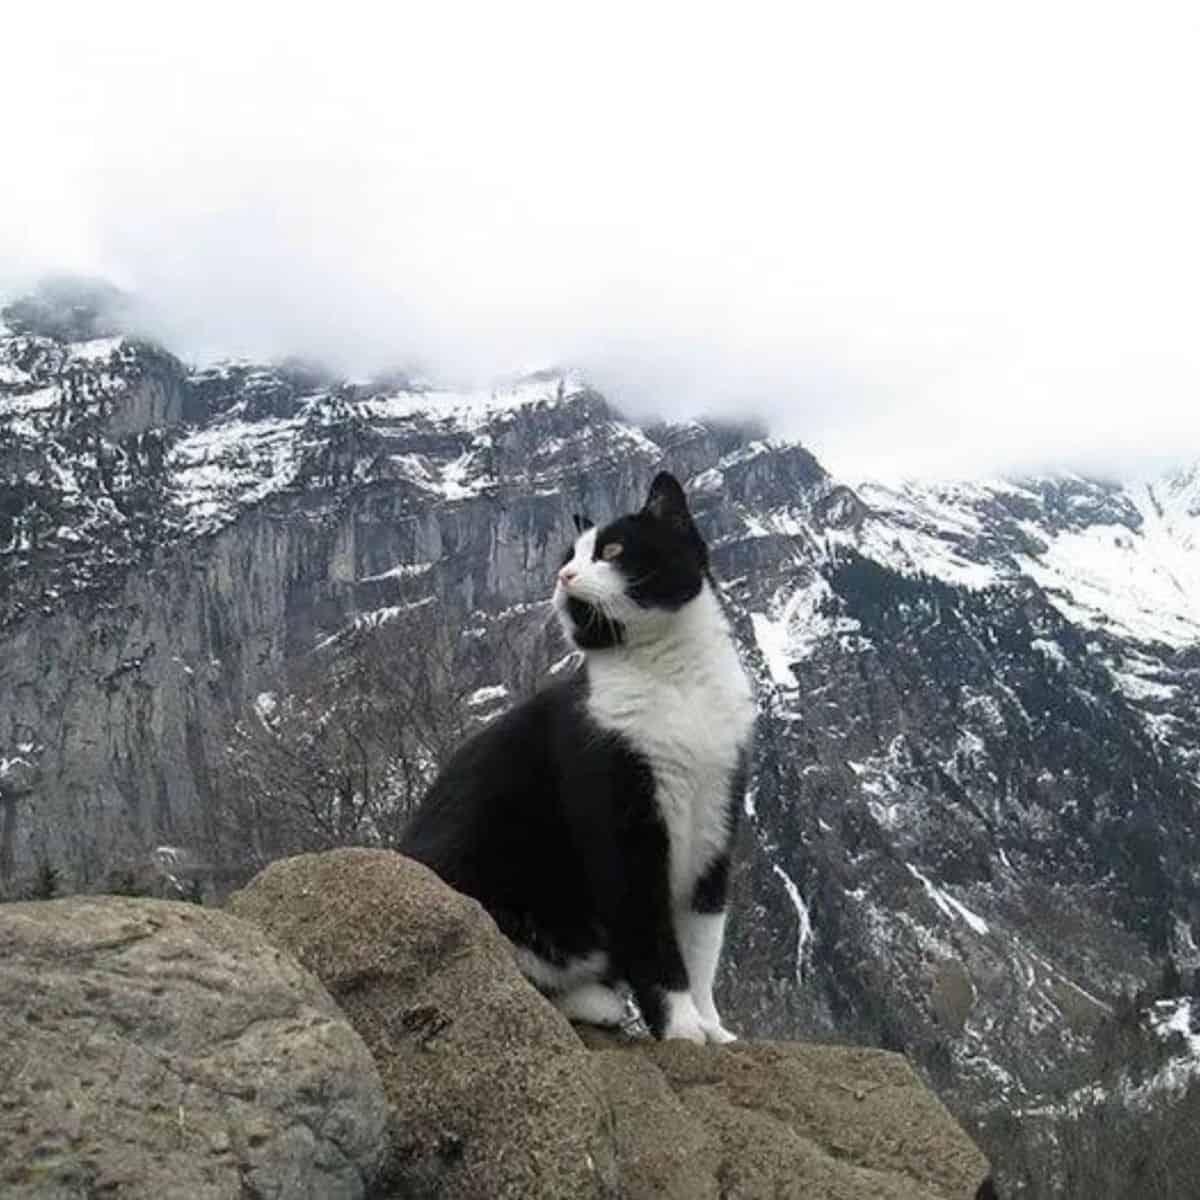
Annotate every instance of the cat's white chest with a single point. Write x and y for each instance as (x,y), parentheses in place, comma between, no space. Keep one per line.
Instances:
(691,718)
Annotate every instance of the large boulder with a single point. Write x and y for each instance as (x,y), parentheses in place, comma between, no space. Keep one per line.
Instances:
(497,1096)
(152,1050)
(493,1092)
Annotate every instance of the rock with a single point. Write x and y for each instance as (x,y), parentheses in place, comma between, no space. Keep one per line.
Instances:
(494,1093)
(151,1049)
(664,1152)
(783,1120)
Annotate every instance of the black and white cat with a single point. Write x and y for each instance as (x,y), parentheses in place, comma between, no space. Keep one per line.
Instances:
(595,821)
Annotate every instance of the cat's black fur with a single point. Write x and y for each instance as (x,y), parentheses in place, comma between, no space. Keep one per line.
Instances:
(553,830)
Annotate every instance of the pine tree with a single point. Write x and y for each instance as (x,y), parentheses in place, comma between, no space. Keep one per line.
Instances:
(1171,983)
(47,882)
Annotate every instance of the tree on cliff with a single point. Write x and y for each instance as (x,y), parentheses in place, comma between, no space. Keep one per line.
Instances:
(17,774)
(343,756)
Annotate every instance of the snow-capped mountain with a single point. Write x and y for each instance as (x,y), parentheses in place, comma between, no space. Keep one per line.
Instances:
(972,830)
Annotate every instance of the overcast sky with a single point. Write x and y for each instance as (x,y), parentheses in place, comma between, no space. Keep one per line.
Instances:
(922,237)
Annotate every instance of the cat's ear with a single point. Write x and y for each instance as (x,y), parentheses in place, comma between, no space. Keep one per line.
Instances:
(581,522)
(667,501)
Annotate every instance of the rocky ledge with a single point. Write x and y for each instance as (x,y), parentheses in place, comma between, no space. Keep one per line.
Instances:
(150,1048)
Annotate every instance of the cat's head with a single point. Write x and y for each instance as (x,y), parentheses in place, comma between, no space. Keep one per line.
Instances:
(622,579)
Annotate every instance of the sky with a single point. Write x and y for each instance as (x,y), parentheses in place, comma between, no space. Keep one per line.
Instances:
(927,239)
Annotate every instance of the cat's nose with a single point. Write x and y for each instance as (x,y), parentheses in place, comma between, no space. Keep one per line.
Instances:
(567,575)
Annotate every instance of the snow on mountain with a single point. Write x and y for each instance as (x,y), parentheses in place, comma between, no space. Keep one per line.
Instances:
(1177,1022)
(796,623)
(475,409)
(1112,556)
(231,464)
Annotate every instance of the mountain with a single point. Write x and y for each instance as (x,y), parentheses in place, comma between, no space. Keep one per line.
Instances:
(972,827)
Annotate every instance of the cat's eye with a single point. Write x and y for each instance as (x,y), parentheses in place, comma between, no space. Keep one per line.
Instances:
(611,550)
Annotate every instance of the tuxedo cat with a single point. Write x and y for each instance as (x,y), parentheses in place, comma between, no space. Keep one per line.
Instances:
(595,821)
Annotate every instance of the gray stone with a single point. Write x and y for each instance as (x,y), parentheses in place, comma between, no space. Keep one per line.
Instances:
(829,1122)
(151,1049)
(494,1094)
(780,1119)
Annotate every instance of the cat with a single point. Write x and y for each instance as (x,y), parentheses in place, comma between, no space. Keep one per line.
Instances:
(595,821)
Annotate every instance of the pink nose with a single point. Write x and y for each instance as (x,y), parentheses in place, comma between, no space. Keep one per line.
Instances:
(567,575)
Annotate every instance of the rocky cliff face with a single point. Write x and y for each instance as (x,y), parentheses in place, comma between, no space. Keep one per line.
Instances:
(972,824)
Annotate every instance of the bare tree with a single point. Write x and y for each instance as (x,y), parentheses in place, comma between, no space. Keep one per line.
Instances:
(18,773)
(346,753)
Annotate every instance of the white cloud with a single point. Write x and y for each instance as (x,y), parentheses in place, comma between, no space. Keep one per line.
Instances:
(935,235)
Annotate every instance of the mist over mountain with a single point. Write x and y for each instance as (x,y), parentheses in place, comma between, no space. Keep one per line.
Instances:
(851,221)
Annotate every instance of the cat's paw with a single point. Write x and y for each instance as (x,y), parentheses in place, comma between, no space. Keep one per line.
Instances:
(594,1004)
(683,1019)
(716,1033)
(685,1031)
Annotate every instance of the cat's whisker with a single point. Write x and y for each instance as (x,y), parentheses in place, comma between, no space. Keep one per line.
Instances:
(612,623)
(642,578)
(550,617)
(604,607)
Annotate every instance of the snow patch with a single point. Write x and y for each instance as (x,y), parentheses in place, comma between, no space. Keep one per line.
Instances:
(804,933)
(772,641)
(399,571)
(1144,584)
(96,350)
(797,626)
(477,408)
(1138,687)
(1052,651)
(948,905)
(227,466)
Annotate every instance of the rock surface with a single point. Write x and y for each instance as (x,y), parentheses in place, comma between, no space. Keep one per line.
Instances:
(494,1094)
(783,1120)
(154,1050)
(497,1096)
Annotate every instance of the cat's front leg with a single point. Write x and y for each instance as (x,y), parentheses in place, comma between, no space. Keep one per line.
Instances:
(700,936)
(655,968)
(700,929)
(645,944)
(627,855)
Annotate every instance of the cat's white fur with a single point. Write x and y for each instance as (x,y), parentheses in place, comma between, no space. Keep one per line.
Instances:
(551,977)
(676,691)
(596,1003)
(700,937)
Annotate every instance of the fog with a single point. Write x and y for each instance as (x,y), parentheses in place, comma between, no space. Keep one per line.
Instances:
(924,238)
